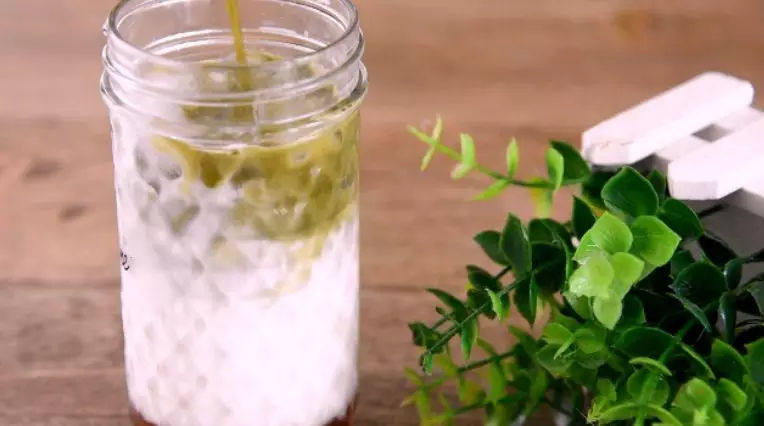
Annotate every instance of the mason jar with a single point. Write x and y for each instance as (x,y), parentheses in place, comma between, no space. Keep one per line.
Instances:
(237,204)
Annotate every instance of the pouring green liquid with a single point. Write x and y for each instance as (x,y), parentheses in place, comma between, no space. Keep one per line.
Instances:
(289,191)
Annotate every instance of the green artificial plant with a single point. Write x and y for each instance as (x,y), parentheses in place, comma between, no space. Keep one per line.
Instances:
(649,318)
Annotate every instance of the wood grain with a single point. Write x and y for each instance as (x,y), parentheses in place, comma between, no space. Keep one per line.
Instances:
(495,68)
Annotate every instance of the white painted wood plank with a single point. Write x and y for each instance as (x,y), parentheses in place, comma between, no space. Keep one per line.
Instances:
(688,144)
(654,124)
(718,169)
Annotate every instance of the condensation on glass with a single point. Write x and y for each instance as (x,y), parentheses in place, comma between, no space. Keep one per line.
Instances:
(237,204)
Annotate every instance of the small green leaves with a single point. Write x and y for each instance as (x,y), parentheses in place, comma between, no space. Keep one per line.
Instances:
(755,359)
(700,283)
(733,271)
(628,269)
(680,218)
(526,298)
(593,278)
(499,304)
(513,157)
(457,307)
(575,169)
(716,251)
(467,159)
(728,362)
(731,393)
(608,234)
(630,194)
(516,246)
(583,217)
(694,405)
(556,333)
(433,140)
(658,181)
(695,310)
(653,240)
(607,310)
(555,166)
(469,333)
(489,242)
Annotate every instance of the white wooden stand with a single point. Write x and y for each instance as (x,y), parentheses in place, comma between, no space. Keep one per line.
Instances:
(709,141)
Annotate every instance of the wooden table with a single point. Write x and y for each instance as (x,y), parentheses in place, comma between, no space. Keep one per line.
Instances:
(495,68)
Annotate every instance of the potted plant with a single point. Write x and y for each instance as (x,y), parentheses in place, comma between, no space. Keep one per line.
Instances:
(649,319)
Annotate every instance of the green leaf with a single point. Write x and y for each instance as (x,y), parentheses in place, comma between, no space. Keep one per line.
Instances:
(423,335)
(633,311)
(549,231)
(516,246)
(608,233)
(630,194)
(489,242)
(680,260)
(733,271)
(695,394)
(653,240)
(555,166)
(469,333)
(557,366)
(628,268)
(513,157)
(556,333)
(432,141)
(481,279)
(607,311)
(728,315)
(413,377)
(497,382)
(549,267)
(468,157)
(591,188)
(731,393)
(426,362)
(456,305)
(635,385)
(593,278)
(500,307)
(680,218)
(526,298)
(651,363)
(716,250)
(493,190)
(542,198)
(658,181)
(470,392)
(695,310)
(651,342)
(700,283)
(575,169)
(756,360)
(444,361)
(580,304)
(590,339)
(583,217)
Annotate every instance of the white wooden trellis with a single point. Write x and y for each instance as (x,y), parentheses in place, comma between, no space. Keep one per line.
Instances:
(709,141)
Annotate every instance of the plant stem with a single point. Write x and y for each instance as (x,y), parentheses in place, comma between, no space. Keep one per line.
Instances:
(456,156)
(484,361)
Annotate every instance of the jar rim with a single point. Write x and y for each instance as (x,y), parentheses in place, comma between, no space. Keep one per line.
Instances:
(112,32)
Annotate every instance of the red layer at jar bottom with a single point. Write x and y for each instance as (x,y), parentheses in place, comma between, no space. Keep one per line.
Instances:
(347,420)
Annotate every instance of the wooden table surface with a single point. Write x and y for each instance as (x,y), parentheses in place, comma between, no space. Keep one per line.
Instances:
(496,68)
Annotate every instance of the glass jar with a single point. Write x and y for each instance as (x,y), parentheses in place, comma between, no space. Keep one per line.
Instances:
(237,204)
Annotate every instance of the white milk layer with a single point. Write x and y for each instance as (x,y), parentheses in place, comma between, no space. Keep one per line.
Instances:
(241,332)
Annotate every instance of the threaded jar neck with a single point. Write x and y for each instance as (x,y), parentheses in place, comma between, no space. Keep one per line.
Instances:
(172,61)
